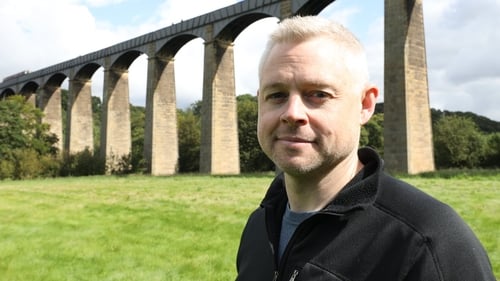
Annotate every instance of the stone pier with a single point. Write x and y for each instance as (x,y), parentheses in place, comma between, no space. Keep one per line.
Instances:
(116,139)
(80,132)
(286,9)
(408,144)
(161,150)
(50,104)
(219,128)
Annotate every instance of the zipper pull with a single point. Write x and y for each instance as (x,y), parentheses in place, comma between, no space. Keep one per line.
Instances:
(275,275)
(295,273)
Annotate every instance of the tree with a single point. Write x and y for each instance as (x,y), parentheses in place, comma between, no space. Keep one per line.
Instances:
(252,158)
(96,119)
(189,135)
(457,142)
(492,158)
(372,133)
(27,147)
(137,121)
(20,128)
(484,124)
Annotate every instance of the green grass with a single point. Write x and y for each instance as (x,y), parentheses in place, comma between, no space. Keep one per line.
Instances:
(167,228)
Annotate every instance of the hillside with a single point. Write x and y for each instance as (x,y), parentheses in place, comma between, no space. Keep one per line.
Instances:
(484,124)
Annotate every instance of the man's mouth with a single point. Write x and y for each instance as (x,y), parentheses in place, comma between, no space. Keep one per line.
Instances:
(294,139)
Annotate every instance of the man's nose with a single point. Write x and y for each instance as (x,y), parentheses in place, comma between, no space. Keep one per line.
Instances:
(294,113)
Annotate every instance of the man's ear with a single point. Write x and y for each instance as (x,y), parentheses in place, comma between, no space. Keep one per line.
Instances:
(368,101)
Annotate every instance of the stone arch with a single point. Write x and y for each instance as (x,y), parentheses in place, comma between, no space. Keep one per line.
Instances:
(87,71)
(232,29)
(309,8)
(29,91)
(174,44)
(124,60)
(7,92)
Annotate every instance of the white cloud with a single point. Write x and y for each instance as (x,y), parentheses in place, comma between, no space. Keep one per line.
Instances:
(462,45)
(465,39)
(36,35)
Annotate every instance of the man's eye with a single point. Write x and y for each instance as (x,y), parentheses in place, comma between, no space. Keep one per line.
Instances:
(318,96)
(277,97)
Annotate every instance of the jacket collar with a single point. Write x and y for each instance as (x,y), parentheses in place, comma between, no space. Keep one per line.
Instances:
(359,193)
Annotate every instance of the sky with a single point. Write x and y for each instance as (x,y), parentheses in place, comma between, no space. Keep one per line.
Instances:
(462,40)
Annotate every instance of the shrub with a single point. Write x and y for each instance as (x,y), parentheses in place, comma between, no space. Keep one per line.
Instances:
(26,164)
(458,143)
(83,163)
(50,166)
(119,165)
(492,158)
(6,169)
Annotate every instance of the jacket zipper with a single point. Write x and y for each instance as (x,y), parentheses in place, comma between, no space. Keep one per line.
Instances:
(295,273)
(284,258)
(275,275)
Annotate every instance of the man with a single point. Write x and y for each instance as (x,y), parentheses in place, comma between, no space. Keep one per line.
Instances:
(333,214)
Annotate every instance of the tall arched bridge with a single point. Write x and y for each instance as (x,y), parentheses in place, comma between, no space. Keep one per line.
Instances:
(408,140)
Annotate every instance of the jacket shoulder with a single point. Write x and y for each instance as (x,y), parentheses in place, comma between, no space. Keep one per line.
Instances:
(449,243)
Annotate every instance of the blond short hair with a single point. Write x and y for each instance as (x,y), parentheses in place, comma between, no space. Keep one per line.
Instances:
(299,29)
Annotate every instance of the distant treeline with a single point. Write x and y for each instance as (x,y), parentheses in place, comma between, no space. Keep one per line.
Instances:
(484,124)
(461,140)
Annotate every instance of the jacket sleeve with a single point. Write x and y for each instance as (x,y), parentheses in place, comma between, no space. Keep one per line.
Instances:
(255,259)
(452,252)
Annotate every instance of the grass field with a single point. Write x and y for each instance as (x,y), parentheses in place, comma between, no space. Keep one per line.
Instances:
(168,228)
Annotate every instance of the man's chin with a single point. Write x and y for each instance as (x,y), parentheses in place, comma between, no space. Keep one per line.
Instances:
(296,169)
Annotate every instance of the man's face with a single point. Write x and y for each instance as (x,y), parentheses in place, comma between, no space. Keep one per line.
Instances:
(309,112)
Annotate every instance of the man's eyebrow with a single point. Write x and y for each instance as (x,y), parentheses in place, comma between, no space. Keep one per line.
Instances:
(315,84)
(277,85)
(318,84)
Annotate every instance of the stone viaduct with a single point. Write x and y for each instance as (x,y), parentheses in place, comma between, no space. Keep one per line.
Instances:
(408,138)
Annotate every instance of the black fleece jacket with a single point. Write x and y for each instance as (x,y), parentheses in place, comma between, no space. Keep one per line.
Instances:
(376,228)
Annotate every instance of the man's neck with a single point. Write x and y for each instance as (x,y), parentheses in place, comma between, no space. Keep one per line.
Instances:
(308,193)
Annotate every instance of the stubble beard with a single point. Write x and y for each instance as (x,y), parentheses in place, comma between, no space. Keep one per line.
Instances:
(320,162)
(306,165)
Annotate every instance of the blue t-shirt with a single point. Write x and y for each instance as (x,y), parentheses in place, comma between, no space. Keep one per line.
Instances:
(291,221)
